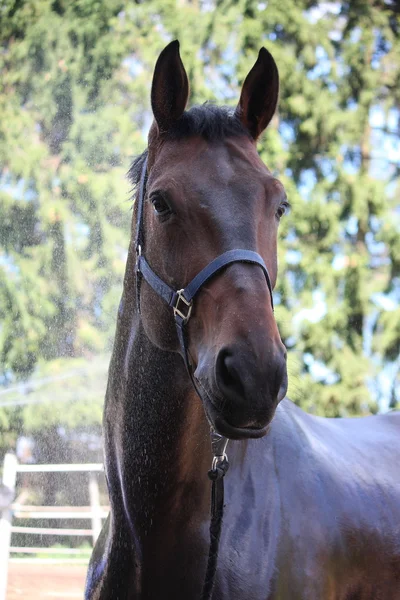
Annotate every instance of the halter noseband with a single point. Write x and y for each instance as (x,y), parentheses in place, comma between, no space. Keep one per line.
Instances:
(181,301)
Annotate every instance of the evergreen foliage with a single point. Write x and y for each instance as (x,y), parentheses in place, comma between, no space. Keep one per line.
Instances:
(74,105)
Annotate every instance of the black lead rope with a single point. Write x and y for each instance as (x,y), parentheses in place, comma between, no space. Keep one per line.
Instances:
(216,474)
(181,302)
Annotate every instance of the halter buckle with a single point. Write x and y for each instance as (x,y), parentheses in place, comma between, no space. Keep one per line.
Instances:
(182,304)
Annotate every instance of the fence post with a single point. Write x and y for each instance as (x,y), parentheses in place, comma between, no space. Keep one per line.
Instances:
(9,479)
(95,506)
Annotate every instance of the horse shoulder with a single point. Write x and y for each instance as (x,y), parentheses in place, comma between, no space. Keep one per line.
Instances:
(340,498)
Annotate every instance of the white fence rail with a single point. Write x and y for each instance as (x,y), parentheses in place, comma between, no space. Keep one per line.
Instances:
(95,513)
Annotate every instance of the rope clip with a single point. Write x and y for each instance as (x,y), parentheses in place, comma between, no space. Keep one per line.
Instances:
(218,447)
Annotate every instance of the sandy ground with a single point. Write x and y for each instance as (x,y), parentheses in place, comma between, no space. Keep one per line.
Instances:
(45,582)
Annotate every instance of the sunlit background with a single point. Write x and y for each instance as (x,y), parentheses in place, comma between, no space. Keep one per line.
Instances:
(75,77)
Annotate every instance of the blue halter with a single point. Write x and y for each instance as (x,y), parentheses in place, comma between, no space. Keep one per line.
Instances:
(181,301)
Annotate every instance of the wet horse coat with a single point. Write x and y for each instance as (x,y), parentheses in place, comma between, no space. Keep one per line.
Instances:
(313,506)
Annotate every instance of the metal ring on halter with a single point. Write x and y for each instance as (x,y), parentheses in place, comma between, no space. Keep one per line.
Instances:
(217,460)
(218,446)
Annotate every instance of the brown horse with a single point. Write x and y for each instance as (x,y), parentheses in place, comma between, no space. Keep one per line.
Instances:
(312,506)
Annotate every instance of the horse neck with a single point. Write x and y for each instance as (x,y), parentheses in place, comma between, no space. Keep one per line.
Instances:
(156,434)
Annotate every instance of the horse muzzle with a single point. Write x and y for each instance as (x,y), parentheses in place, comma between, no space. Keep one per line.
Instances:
(242,391)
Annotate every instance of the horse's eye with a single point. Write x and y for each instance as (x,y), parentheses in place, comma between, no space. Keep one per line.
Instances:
(282,210)
(160,205)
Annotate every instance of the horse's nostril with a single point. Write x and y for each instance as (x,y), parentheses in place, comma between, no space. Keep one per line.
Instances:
(227,375)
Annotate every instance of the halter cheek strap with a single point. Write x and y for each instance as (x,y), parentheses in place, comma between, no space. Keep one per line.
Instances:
(181,301)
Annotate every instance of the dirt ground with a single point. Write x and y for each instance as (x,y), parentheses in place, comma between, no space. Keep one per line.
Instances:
(45,582)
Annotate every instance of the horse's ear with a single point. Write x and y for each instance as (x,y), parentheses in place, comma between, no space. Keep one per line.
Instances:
(259,95)
(170,87)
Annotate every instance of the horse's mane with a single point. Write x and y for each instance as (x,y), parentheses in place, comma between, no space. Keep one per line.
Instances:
(214,123)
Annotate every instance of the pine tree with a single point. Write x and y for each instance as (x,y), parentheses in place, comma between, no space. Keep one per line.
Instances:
(339,253)
(63,155)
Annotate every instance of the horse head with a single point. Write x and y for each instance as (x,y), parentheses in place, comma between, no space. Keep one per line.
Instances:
(208,192)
